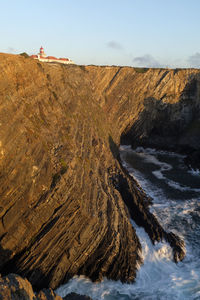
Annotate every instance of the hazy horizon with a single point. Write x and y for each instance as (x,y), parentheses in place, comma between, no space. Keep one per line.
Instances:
(140,33)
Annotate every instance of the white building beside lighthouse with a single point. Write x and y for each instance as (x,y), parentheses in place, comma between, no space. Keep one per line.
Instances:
(41,56)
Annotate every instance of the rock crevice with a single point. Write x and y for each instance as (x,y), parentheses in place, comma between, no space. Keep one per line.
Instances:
(66,201)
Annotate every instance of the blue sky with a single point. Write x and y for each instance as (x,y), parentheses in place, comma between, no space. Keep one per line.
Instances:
(149,33)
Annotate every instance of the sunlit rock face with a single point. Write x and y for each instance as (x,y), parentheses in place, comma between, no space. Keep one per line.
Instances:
(66,202)
(15,287)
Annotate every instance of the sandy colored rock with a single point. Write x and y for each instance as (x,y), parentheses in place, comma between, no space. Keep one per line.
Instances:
(66,201)
(14,287)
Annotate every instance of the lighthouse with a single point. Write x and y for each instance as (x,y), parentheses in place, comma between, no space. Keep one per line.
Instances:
(41,53)
(41,56)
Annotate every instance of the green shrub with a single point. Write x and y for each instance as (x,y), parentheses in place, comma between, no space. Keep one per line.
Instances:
(141,70)
(55,179)
(24,54)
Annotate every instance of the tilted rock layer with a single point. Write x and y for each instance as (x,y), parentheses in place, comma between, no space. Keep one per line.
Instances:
(17,288)
(65,201)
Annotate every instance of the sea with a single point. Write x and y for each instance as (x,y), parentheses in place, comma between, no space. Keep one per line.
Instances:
(175,193)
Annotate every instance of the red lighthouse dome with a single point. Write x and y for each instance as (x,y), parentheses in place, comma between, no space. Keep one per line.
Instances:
(42,54)
(41,50)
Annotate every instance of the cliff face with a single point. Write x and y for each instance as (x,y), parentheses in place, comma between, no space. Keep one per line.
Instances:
(153,108)
(60,213)
(145,104)
(65,200)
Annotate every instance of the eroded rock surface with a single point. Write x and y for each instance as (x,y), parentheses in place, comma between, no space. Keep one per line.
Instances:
(66,201)
(74,296)
(13,287)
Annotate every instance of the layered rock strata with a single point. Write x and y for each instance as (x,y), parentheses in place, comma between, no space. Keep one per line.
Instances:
(17,288)
(170,120)
(66,201)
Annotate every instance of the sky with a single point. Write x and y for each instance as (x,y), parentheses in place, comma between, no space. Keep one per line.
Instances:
(143,33)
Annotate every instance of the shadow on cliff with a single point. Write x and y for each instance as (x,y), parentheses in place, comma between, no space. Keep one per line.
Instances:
(168,126)
(138,203)
(113,148)
(36,277)
(4,255)
(8,265)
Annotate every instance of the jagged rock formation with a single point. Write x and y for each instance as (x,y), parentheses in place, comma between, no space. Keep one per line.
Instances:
(17,288)
(66,201)
(74,296)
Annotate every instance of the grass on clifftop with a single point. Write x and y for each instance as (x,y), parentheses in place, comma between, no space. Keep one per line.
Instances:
(24,54)
(141,70)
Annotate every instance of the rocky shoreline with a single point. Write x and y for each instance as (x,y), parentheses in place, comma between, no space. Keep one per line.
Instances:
(66,201)
(15,287)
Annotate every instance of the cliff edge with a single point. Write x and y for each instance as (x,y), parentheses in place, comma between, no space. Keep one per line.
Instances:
(66,201)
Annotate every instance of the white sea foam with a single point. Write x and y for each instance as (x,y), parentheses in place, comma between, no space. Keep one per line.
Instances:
(158,174)
(153,151)
(148,156)
(159,278)
(125,148)
(180,187)
(194,172)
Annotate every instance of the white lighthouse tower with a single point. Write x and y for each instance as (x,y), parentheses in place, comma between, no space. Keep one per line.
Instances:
(41,53)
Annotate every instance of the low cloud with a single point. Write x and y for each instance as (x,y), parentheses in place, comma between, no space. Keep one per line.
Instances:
(11,50)
(146,60)
(114,45)
(194,60)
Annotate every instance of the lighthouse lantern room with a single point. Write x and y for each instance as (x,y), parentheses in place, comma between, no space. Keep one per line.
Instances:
(41,53)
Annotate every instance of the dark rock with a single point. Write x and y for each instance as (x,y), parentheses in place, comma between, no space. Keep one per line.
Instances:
(74,296)
(140,213)
(14,287)
(193,160)
(177,245)
(47,294)
(168,124)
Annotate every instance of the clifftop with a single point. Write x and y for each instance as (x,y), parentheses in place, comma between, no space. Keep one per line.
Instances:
(65,199)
